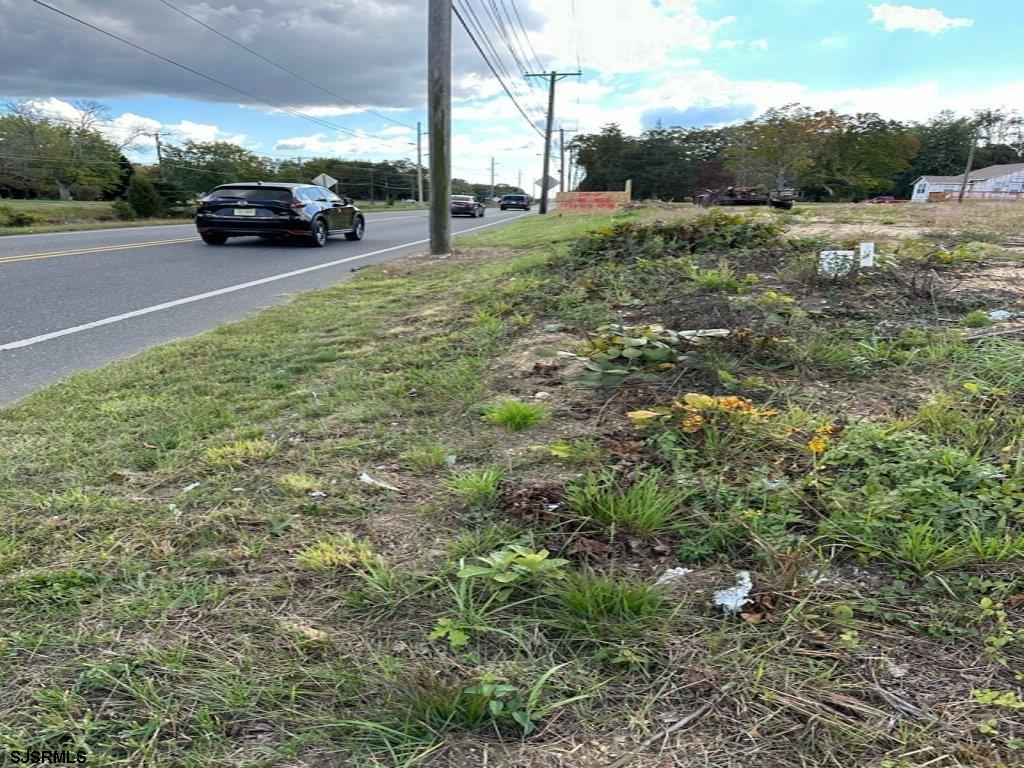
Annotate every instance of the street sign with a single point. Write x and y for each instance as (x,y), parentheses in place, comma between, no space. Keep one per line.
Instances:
(552,182)
(323,180)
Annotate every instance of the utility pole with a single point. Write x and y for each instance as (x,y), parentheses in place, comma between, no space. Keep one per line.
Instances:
(970,164)
(553,78)
(492,177)
(159,149)
(439,123)
(419,162)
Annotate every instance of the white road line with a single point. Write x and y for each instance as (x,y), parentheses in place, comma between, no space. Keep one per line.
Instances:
(221,291)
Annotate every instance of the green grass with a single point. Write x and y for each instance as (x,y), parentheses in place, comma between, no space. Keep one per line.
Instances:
(477,488)
(192,572)
(644,506)
(516,415)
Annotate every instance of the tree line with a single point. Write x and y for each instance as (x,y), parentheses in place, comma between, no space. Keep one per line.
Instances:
(44,156)
(824,154)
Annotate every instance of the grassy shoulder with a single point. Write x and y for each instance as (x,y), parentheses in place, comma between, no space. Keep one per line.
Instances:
(72,215)
(487,506)
(67,216)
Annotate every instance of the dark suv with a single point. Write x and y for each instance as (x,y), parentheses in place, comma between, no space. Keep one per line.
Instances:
(274,210)
(522,202)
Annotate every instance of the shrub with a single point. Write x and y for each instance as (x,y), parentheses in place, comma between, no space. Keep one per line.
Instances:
(124,210)
(143,196)
(13,218)
(977,319)
(643,507)
(722,278)
(516,415)
(715,230)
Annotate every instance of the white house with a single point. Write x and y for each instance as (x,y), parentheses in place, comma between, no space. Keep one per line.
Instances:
(997,182)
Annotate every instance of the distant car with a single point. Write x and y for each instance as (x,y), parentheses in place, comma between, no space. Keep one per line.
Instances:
(466,205)
(522,202)
(884,200)
(274,211)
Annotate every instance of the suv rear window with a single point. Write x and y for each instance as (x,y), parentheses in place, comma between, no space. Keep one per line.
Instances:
(251,193)
(514,198)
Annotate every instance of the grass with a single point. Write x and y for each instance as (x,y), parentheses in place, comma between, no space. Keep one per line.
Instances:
(516,415)
(646,506)
(74,215)
(192,572)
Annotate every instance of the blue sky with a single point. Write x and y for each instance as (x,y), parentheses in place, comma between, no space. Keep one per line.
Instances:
(685,62)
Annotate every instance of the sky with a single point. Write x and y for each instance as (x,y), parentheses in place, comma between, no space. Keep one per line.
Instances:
(356,85)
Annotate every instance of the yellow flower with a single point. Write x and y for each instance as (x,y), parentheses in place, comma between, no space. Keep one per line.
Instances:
(971,387)
(817,444)
(699,401)
(692,424)
(641,418)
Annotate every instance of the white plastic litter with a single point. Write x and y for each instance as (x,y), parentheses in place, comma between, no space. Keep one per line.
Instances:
(836,263)
(365,478)
(704,333)
(1001,314)
(190,487)
(450,459)
(734,598)
(317,495)
(671,576)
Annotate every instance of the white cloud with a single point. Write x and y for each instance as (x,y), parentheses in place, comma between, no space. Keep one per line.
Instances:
(345,146)
(931,20)
(206,132)
(616,37)
(761,44)
(119,130)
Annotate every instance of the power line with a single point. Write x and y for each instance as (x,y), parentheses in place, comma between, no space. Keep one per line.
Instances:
(491,67)
(482,31)
(526,36)
(249,27)
(196,72)
(270,61)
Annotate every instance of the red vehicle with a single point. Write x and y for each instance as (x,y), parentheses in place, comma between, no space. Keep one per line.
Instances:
(884,200)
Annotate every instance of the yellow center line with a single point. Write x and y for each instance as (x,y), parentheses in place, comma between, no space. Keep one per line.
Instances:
(95,249)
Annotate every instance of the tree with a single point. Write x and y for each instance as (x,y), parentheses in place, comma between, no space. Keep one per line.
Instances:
(143,196)
(773,150)
(198,167)
(41,153)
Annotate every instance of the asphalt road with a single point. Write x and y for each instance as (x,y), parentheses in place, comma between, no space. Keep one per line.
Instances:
(72,301)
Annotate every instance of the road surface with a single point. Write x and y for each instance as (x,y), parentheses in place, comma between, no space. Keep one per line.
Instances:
(72,301)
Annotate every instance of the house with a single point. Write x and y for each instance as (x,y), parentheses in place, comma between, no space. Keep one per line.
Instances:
(997,182)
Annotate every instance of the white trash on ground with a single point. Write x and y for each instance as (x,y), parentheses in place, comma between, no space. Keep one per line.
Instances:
(365,478)
(1001,314)
(734,598)
(671,576)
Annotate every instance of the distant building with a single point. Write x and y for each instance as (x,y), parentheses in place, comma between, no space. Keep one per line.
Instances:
(997,182)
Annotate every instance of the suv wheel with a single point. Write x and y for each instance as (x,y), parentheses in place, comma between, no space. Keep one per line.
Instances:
(359,228)
(318,233)
(213,238)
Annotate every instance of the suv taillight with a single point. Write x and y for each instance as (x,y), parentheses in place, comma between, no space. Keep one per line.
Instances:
(296,205)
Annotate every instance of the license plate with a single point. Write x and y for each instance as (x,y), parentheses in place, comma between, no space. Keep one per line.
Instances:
(245,211)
